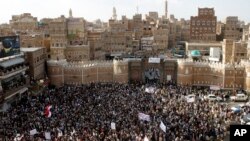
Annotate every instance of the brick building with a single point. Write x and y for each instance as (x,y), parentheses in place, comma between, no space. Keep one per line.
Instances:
(36,58)
(203,26)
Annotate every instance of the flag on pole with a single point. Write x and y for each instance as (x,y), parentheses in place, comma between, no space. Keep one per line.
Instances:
(143,116)
(47,111)
(163,127)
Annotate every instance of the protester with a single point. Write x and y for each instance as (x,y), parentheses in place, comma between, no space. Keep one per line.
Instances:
(85,113)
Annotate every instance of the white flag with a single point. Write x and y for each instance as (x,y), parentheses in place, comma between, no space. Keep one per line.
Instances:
(163,127)
(33,132)
(47,136)
(143,116)
(113,125)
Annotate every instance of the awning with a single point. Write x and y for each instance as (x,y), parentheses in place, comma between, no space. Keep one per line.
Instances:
(116,54)
(11,62)
(214,87)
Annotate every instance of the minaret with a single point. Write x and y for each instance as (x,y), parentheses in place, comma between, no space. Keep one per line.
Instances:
(166,8)
(114,14)
(70,13)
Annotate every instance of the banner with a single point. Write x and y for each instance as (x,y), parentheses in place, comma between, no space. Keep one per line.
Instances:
(163,127)
(9,45)
(113,125)
(144,117)
(33,132)
(154,60)
(169,78)
(47,136)
(150,90)
(214,87)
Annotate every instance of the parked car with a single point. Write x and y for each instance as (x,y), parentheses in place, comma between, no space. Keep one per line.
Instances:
(239,98)
(212,97)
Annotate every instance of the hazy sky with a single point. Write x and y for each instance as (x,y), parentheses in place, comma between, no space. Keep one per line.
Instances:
(102,9)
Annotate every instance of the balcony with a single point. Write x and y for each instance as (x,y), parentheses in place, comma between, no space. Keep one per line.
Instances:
(14,91)
(13,87)
(13,71)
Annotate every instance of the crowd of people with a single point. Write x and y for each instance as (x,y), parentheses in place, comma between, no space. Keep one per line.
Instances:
(152,74)
(85,113)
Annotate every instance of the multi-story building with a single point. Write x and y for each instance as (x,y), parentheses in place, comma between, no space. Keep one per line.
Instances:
(220,31)
(245,33)
(152,16)
(115,43)
(13,78)
(160,40)
(185,30)
(35,57)
(233,51)
(6,30)
(58,36)
(77,53)
(95,45)
(232,28)
(76,31)
(203,26)
(32,40)
(172,31)
(24,23)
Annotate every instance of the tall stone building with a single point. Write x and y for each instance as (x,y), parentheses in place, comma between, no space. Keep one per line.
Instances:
(172,31)
(32,40)
(95,45)
(76,31)
(23,23)
(160,40)
(6,30)
(36,58)
(220,31)
(203,26)
(58,35)
(233,51)
(232,28)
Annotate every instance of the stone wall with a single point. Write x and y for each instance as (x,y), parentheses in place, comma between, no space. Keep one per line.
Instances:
(204,73)
(63,72)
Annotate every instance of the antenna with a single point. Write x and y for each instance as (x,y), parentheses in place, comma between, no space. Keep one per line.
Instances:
(137,7)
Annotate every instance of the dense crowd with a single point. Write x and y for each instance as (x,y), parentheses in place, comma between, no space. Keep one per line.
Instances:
(85,113)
